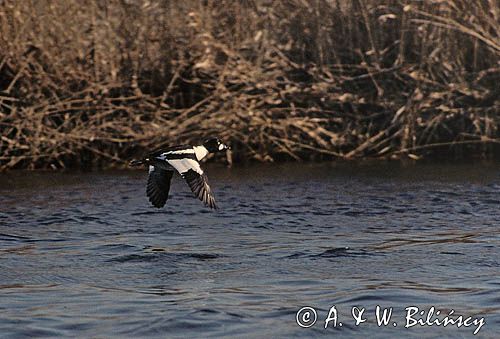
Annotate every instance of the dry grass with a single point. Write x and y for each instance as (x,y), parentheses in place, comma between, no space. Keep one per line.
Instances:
(96,82)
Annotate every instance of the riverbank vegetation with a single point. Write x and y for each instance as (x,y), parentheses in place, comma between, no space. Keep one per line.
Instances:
(94,83)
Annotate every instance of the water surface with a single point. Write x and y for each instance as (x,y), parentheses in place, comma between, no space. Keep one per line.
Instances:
(84,254)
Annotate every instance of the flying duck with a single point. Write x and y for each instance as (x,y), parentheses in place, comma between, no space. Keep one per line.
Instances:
(185,160)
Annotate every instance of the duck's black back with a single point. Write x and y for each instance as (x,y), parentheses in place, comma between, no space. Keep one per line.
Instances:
(169,149)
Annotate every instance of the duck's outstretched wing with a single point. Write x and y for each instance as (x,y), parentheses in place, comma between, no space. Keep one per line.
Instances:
(199,185)
(190,170)
(158,185)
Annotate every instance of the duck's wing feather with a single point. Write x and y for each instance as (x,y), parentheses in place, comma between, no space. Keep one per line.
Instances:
(191,171)
(199,185)
(158,185)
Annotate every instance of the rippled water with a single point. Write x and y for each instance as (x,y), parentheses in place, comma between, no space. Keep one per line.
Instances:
(85,255)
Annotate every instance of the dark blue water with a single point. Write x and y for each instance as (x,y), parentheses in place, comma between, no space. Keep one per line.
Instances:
(85,255)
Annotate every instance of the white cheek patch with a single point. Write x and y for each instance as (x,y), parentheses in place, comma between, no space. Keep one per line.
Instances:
(221,147)
(151,168)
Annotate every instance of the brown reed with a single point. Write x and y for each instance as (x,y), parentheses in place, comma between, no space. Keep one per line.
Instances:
(93,83)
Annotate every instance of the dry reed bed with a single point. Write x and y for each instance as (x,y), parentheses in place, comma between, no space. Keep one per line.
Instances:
(94,83)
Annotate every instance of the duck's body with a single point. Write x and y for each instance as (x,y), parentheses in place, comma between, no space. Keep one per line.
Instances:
(185,160)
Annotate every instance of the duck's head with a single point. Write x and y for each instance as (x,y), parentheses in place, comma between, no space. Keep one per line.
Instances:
(214,145)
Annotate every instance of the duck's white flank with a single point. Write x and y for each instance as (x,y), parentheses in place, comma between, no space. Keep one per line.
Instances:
(184,165)
(200,152)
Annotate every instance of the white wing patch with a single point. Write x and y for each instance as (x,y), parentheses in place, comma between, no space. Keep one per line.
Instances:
(163,156)
(151,168)
(184,165)
(181,151)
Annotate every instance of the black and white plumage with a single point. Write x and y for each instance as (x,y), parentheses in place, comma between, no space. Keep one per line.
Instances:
(158,186)
(184,160)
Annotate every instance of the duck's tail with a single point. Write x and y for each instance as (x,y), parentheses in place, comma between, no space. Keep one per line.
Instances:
(136,163)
